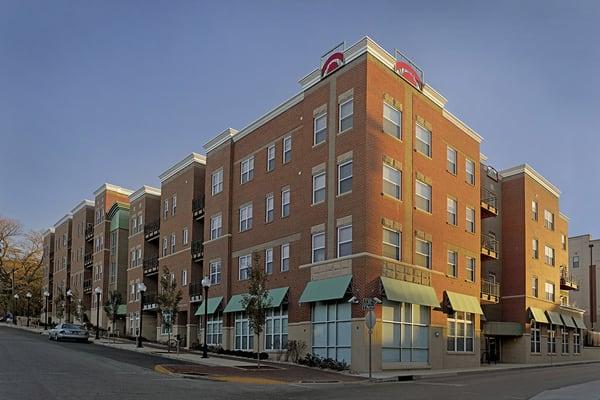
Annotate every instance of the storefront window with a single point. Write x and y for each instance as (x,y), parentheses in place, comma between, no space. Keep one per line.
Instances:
(405,332)
(460,332)
(331,325)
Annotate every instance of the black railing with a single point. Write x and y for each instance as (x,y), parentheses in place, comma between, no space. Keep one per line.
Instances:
(87,286)
(489,198)
(150,265)
(198,207)
(196,288)
(152,229)
(567,281)
(197,250)
(89,232)
(490,289)
(489,245)
(88,260)
(150,301)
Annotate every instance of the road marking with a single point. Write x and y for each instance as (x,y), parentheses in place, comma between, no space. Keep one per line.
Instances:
(437,383)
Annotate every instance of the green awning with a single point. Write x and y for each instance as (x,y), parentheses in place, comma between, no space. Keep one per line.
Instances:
(554,318)
(408,292)
(277,295)
(326,289)
(568,321)
(122,309)
(463,302)
(502,328)
(213,304)
(579,322)
(235,304)
(538,315)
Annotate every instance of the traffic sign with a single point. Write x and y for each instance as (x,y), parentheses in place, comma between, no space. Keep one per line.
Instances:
(370,320)
(368,304)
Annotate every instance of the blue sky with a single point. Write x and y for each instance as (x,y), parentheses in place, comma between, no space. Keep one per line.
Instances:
(83,83)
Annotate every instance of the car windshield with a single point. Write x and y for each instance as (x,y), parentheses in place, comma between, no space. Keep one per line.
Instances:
(71,326)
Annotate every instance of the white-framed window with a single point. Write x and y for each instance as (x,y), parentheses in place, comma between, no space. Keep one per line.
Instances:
(536,338)
(185,236)
(173,243)
(551,339)
(140,223)
(269,260)
(423,253)
(174,205)
(244,336)
(165,208)
(471,267)
(285,257)
(133,225)
(564,333)
(133,260)
(549,289)
(534,210)
(460,332)
(217,182)
(549,255)
(216,226)
(318,189)
(392,181)
(405,332)
(345,177)
(534,286)
(332,330)
(577,341)
(422,196)
(392,244)
(470,217)
(269,207)
(165,246)
(271,157)
(247,170)
(244,267)
(344,240)
(451,156)
(320,129)
(535,248)
(549,220)
(392,121)
(245,217)
(276,328)
(184,277)
(470,171)
(138,252)
(214,329)
(452,263)
(285,202)
(215,272)
(575,262)
(287,149)
(423,142)
(346,115)
(318,247)
(451,206)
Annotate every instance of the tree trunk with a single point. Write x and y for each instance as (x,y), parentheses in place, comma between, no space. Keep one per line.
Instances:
(258,352)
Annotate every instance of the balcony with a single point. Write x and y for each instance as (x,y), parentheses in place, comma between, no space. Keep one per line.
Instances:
(88,260)
(87,286)
(152,230)
(198,208)
(150,302)
(490,291)
(489,203)
(89,233)
(150,266)
(196,292)
(489,246)
(197,250)
(69,243)
(567,281)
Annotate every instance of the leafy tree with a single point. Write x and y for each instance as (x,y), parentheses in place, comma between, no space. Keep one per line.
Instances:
(169,298)
(257,301)
(111,307)
(59,305)
(78,308)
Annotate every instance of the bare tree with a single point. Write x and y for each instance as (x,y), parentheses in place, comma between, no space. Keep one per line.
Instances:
(111,307)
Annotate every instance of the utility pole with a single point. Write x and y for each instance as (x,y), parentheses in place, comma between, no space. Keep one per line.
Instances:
(13,297)
(593,300)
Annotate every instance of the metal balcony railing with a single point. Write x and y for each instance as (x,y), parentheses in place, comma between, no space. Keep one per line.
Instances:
(198,207)
(489,246)
(150,301)
(490,290)
(567,281)
(87,286)
(150,265)
(89,233)
(489,201)
(197,250)
(88,260)
(152,230)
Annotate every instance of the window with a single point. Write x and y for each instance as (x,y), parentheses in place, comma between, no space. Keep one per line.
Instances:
(575,261)
(285,257)
(392,121)
(563,241)
(276,328)
(549,291)
(166,209)
(392,244)
(332,330)
(320,129)
(534,246)
(471,268)
(549,255)
(271,157)
(287,149)
(184,277)
(138,256)
(451,209)
(185,236)
(217,181)
(422,196)
(451,160)
(318,190)
(405,332)
(215,272)
(548,220)
(423,251)
(452,261)
(173,243)
(565,340)
(534,286)
(216,230)
(318,247)
(551,339)
(140,224)
(470,216)
(247,170)
(285,203)
(269,207)
(536,343)
(534,210)
(214,329)
(470,170)
(245,217)
(460,332)
(174,205)
(423,142)
(244,265)
(392,181)
(133,225)
(346,112)
(269,261)
(576,341)
(244,336)
(133,260)
(344,240)
(345,177)
(165,246)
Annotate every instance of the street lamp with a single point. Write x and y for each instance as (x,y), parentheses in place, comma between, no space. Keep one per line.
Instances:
(206,285)
(28,295)
(69,296)
(142,289)
(47,296)
(98,292)
(16,301)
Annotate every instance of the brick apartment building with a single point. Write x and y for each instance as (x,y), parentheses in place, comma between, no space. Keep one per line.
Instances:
(62,266)
(584,253)
(83,218)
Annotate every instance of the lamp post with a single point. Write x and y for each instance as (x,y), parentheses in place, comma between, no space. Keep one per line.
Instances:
(142,288)
(28,295)
(206,285)
(98,292)
(15,296)
(47,296)
(16,301)
(69,296)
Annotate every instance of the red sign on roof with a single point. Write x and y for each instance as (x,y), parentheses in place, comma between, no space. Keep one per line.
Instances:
(408,70)
(332,60)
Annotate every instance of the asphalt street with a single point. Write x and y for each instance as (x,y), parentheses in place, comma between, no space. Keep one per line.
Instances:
(31,367)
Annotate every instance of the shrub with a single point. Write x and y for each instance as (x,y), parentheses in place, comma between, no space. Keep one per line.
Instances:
(313,360)
(237,353)
(295,348)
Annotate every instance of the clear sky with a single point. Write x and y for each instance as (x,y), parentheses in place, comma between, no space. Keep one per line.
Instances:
(117,91)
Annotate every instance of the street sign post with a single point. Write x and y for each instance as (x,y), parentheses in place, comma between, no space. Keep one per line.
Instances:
(368,304)
(370,320)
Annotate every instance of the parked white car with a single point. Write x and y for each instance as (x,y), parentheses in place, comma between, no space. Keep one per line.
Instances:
(66,331)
